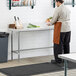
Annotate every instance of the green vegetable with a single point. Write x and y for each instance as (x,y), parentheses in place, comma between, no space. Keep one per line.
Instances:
(50,17)
(38,26)
(32,26)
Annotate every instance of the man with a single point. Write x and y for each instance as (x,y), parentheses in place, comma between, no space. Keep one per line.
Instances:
(62,14)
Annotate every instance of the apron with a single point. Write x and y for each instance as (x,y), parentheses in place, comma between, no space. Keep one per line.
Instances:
(57,30)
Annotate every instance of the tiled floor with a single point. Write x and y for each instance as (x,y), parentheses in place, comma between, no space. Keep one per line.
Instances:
(35,60)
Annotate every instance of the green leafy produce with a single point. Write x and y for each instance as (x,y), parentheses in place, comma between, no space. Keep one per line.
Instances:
(32,26)
(50,17)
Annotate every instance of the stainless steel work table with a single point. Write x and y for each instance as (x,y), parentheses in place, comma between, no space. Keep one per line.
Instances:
(26,30)
(68,57)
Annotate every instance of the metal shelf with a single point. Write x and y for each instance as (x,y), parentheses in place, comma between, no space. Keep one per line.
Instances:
(10,4)
(16,51)
(67,2)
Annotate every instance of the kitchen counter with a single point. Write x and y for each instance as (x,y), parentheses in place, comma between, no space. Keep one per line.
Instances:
(41,28)
(33,29)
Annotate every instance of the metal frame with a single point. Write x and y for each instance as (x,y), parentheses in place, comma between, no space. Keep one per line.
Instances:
(18,45)
(11,45)
(9,4)
(73,3)
(19,50)
(66,61)
(53,3)
(32,6)
(65,67)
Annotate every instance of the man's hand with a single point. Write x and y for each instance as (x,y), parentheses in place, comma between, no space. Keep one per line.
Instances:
(48,22)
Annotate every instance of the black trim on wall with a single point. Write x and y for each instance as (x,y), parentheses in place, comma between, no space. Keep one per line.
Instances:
(73,3)
(9,4)
(53,3)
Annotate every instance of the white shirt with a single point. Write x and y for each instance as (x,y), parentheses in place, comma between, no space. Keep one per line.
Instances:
(62,14)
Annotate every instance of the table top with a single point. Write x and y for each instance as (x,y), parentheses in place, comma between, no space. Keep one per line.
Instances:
(32,29)
(70,57)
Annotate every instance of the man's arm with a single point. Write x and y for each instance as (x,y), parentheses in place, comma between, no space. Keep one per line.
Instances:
(55,16)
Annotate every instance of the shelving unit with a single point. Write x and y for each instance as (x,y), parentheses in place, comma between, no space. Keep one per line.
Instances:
(70,2)
(53,3)
(9,4)
(67,2)
(21,3)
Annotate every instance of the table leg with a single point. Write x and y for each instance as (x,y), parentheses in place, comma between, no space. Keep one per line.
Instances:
(18,45)
(65,67)
(12,45)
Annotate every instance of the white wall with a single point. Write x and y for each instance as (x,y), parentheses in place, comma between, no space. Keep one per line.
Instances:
(42,10)
(73,29)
